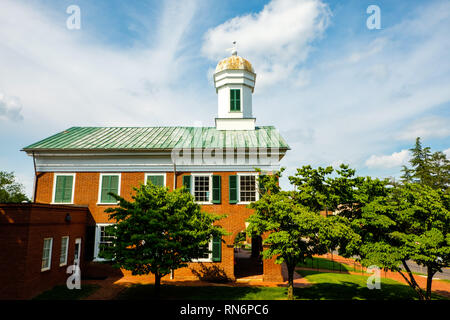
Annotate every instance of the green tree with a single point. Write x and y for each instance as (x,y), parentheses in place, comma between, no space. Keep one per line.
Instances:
(431,169)
(10,190)
(159,231)
(410,223)
(295,231)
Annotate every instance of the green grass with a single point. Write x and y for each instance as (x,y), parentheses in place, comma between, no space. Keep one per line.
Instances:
(325,264)
(326,286)
(62,293)
(341,286)
(170,292)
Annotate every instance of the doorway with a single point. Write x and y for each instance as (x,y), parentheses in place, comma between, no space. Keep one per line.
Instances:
(247,256)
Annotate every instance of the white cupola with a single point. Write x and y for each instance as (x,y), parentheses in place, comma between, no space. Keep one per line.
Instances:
(234,80)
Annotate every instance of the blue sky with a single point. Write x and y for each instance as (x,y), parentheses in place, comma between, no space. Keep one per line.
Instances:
(337,91)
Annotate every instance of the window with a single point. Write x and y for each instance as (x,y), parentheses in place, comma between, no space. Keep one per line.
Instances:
(103,239)
(47,254)
(156,179)
(64,251)
(63,188)
(109,183)
(235,100)
(247,188)
(201,188)
(213,251)
(207,254)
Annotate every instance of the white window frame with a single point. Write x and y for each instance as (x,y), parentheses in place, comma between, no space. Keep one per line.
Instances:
(54,187)
(155,174)
(97,240)
(240,174)
(64,253)
(99,201)
(49,255)
(210,254)
(193,175)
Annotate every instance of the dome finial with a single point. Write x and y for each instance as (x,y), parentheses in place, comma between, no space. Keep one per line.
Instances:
(234,49)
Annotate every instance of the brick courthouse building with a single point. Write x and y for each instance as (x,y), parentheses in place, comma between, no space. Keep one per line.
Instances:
(80,165)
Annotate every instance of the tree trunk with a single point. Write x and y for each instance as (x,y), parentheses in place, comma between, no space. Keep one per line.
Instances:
(157,284)
(291,269)
(430,274)
(412,282)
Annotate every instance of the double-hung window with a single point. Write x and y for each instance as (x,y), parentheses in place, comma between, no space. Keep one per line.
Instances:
(63,188)
(243,188)
(206,188)
(247,188)
(102,239)
(47,254)
(64,251)
(109,183)
(202,188)
(212,252)
(235,100)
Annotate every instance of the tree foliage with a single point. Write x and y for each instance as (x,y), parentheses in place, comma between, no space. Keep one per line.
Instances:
(10,190)
(410,223)
(158,231)
(295,230)
(427,168)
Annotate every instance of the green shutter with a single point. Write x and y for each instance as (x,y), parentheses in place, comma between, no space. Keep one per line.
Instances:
(262,189)
(156,180)
(231,100)
(235,100)
(216,189)
(109,184)
(232,185)
(67,195)
(217,249)
(187,183)
(63,189)
(59,189)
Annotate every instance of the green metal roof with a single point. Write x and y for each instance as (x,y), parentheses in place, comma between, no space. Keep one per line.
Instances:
(158,138)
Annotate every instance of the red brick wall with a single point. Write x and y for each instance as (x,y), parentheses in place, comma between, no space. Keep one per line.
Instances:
(22,232)
(86,193)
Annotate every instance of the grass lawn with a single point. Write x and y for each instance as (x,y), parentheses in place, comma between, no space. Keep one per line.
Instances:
(62,293)
(325,264)
(342,286)
(327,286)
(170,292)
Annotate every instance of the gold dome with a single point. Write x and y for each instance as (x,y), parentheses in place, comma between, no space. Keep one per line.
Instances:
(234,63)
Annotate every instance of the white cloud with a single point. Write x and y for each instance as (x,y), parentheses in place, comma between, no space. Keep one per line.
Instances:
(394,160)
(429,127)
(67,77)
(275,40)
(447,152)
(10,108)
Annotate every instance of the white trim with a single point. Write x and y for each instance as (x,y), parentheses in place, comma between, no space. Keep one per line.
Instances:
(49,254)
(57,174)
(66,253)
(210,255)
(97,240)
(155,174)
(209,185)
(99,199)
(239,174)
